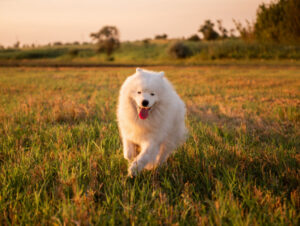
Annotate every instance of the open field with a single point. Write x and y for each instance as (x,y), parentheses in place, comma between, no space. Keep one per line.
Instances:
(61,158)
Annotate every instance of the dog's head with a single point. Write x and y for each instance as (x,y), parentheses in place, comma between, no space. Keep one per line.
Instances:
(146,90)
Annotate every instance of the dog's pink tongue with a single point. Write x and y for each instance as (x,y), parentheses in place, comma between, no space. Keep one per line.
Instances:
(143,113)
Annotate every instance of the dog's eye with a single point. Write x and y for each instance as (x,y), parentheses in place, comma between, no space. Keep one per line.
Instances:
(152,94)
(139,92)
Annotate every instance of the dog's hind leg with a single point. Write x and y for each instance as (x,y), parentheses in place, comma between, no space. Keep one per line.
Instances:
(165,153)
(171,145)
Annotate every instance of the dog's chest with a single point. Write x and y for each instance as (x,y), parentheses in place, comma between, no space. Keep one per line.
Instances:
(139,133)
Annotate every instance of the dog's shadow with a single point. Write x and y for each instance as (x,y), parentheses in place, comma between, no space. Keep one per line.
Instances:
(207,161)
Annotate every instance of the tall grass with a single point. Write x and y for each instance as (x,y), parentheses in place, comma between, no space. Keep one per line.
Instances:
(61,159)
(238,49)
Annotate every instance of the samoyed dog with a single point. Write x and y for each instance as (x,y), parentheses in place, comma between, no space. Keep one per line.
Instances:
(151,119)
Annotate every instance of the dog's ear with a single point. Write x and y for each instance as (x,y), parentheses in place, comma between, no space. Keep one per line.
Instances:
(161,74)
(139,69)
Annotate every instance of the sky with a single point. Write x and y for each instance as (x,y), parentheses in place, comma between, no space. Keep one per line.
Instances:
(44,21)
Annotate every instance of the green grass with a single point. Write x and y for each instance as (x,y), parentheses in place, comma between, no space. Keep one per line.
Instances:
(156,52)
(61,158)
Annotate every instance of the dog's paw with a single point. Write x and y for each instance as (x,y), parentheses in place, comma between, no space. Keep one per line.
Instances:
(133,169)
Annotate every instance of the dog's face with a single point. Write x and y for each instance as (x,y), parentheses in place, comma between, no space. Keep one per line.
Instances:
(145,100)
(146,92)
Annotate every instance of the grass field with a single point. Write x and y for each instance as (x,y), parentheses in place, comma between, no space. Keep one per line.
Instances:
(61,158)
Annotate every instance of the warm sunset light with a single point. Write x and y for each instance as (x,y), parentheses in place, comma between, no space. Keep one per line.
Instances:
(149,112)
(44,21)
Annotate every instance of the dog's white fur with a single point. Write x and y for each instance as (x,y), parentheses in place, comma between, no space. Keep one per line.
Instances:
(161,132)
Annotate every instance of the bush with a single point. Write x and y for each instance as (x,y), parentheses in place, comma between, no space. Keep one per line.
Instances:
(179,50)
(73,52)
(194,38)
(146,41)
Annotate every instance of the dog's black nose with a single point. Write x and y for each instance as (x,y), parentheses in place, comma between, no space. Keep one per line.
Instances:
(145,103)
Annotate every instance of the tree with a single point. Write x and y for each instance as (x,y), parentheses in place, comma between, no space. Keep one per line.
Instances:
(107,39)
(57,43)
(232,33)
(17,45)
(246,32)
(207,29)
(163,36)
(278,22)
(223,30)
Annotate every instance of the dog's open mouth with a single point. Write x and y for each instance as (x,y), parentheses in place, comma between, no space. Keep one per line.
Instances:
(143,112)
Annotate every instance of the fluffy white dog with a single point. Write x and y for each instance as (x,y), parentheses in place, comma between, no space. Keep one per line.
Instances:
(151,119)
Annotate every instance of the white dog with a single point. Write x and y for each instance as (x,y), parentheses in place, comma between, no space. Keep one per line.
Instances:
(151,119)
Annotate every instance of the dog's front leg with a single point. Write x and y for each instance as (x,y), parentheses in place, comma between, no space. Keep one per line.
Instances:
(128,149)
(148,155)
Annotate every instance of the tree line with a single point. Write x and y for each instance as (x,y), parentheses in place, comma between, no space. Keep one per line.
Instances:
(277,22)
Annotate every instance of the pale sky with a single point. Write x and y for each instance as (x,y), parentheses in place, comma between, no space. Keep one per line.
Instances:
(44,21)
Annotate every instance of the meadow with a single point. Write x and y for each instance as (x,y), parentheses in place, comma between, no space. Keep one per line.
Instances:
(153,52)
(61,159)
